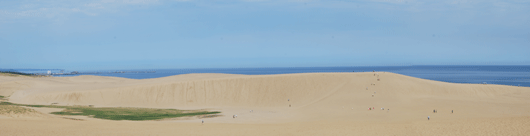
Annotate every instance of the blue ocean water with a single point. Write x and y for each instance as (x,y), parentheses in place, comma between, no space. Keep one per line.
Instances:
(503,75)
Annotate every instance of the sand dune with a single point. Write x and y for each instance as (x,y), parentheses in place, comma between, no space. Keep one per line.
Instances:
(222,91)
(321,103)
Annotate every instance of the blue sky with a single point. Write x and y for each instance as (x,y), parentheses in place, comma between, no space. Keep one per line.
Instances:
(157,34)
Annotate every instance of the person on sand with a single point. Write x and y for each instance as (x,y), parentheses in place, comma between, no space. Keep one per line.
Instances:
(451,111)
(202,121)
(428,118)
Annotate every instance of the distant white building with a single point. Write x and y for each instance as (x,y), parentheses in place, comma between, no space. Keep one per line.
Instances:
(49,72)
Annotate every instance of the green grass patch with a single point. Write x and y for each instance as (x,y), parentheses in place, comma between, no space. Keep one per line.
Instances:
(121,113)
(16,73)
(1,96)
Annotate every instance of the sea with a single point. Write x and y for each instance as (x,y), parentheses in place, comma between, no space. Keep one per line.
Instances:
(501,75)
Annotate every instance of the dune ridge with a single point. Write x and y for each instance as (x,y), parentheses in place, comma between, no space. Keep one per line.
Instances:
(262,91)
(245,90)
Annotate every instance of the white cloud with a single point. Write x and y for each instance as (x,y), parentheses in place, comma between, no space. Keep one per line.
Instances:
(94,5)
(393,1)
(27,13)
(64,9)
(130,1)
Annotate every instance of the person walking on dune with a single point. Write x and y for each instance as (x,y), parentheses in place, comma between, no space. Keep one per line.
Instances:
(202,121)
(428,118)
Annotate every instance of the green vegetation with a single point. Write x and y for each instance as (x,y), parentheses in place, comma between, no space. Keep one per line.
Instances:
(16,73)
(1,96)
(130,113)
(8,103)
(120,113)
(11,109)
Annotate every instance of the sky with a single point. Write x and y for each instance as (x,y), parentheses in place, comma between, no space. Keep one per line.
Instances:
(167,34)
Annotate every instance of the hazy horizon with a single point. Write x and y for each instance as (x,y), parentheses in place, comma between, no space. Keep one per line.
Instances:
(95,70)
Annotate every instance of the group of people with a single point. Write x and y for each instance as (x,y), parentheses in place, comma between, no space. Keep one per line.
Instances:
(436,111)
(373,108)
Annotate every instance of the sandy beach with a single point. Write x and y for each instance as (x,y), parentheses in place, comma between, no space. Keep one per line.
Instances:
(287,104)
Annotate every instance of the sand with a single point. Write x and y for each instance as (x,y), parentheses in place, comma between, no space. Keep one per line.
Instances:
(321,104)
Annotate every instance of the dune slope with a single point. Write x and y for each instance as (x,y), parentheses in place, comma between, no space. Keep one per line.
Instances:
(302,102)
